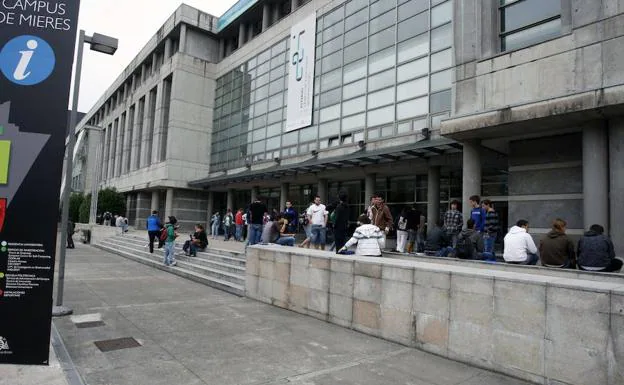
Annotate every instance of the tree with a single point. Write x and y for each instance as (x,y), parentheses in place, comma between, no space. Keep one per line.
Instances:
(75,201)
(85,207)
(108,200)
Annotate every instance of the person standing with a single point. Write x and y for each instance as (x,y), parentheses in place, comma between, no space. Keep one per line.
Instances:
(317,215)
(341,223)
(256,212)
(453,221)
(215,223)
(477,214)
(291,215)
(153,229)
(170,242)
(402,233)
(238,222)
(596,252)
(556,248)
(492,228)
(413,220)
(228,223)
(380,215)
(71,229)
(519,246)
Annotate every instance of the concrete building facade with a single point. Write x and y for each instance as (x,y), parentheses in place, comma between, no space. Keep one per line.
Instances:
(423,100)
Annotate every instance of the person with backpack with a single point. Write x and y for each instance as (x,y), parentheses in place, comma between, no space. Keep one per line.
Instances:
(469,243)
(153,229)
(107,218)
(169,235)
(228,223)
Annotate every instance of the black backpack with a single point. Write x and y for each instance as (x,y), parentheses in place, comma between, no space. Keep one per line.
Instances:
(464,248)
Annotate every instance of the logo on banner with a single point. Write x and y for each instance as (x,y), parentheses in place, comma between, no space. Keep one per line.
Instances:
(27,60)
(297,57)
(4,344)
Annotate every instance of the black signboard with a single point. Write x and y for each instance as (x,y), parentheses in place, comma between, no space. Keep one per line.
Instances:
(37,40)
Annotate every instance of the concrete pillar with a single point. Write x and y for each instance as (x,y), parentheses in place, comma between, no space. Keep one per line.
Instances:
(369,188)
(128,204)
(471,184)
(276,13)
(168,46)
(254,193)
(242,29)
(221,48)
(596,175)
(293,5)
(322,190)
(210,208)
(250,31)
(143,73)
(616,168)
(266,16)
(433,196)
(169,203)
(183,38)
(284,195)
(155,200)
(155,65)
(230,199)
(142,210)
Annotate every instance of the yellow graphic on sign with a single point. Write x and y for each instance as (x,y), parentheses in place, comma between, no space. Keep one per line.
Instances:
(5,152)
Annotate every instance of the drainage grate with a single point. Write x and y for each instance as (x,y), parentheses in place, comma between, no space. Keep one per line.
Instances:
(117,344)
(85,325)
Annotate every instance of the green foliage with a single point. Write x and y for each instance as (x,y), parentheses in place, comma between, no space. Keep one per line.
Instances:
(75,201)
(111,200)
(85,207)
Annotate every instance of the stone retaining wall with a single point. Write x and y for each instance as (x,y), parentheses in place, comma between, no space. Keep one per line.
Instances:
(540,328)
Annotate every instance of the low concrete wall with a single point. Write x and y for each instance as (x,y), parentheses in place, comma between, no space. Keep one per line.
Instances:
(98,232)
(540,328)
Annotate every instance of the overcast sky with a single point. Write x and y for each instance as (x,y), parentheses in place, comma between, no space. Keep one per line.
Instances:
(133,22)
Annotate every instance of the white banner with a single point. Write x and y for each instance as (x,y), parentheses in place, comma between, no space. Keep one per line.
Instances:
(301,73)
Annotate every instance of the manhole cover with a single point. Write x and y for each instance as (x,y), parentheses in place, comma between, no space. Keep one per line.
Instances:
(117,344)
(85,325)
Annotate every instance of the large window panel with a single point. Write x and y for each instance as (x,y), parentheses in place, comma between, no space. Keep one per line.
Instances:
(441,101)
(352,6)
(382,22)
(413,88)
(308,134)
(354,106)
(380,116)
(533,35)
(442,14)
(442,37)
(333,31)
(333,17)
(381,40)
(259,122)
(413,69)
(263,68)
(331,80)
(330,97)
(279,47)
(356,19)
(440,60)
(273,143)
(381,80)
(441,80)
(290,138)
(523,13)
(332,61)
(278,61)
(262,80)
(381,98)
(274,117)
(330,113)
(356,34)
(412,108)
(382,60)
(414,26)
(264,56)
(381,6)
(354,89)
(329,129)
(274,129)
(258,134)
(353,123)
(277,72)
(332,46)
(276,86)
(412,8)
(355,70)
(355,51)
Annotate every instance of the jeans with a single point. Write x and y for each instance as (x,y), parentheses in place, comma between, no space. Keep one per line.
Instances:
(169,253)
(531,260)
(228,233)
(453,237)
(445,251)
(319,234)
(239,233)
(420,241)
(285,241)
(401,240)
(255,233)
(488,243)
(153,235)
(215,230)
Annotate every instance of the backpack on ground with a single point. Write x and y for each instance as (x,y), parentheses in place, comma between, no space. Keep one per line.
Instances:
(164,233)
(464,248)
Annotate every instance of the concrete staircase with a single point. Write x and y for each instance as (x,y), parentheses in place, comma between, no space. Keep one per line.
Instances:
(221,269)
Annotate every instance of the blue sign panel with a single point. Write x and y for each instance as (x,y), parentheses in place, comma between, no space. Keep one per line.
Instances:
(233,13)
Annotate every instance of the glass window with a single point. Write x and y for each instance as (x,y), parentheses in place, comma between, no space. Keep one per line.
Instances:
(333,31)
(329,129)
(355,34)
(441,14)
(382,60)
(276,86)
(330,98)
(354,106)
(332,61)
(262,80)
(355,51)
(278,61)
(354,89)
(380,116)
(381,80)
(330,113)
(382,22)
(290,138)
(382,40)
(522,13)
(279,47)
(413,88)
(381,98)
(441,37)
(317,85)
(259,122)
(355,70)
(333,17)
(258,134)
(441,80)
(533,35)
(412,108)
(331,79)
(274,129)
(308,133)
(263,68)
(413,69)
(355,5)
(414,26)
(441,60)
(380,7)
(441,101)
(356,19)
(273,143)
(353,122)
(278,72)
(276,101)
(274,117)
(412,8)
(264,56)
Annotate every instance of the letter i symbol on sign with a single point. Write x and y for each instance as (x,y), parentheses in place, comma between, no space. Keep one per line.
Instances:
(25,57)
(5,153)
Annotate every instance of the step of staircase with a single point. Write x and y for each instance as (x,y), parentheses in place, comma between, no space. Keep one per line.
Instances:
(202,269)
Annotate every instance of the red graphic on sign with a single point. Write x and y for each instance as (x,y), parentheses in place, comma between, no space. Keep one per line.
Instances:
(3,204)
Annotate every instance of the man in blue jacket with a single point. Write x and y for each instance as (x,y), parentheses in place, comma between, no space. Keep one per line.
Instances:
(154,225)
(477,214)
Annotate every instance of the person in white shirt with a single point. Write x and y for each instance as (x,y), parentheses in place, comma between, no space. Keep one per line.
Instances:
(317,215)
(520,248)
(369,238)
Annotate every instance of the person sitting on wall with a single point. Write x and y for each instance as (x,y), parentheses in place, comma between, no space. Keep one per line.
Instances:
(469,243)
(556,248)
(596,252)
(198,241)
(275,231)
(437,240)
(519,246)
(369,238)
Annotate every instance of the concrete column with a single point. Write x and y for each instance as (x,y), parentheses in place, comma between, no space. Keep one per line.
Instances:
(155,66)
(128,204)
(143,73)
(169,203)
(254,193)
(433,196)
(250,30)
(210,208)
(616,201)
(242,29)
(284,195)
(142,210)
(596,175)
(293,5)
(230,199)
(266,16)
(221,48)
(155,200)
(322,190)
(369,188)
(276,13)
(168,46)
(183,38)
(471,184)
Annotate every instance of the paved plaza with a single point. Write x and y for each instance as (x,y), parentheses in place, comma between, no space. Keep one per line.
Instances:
(192,334)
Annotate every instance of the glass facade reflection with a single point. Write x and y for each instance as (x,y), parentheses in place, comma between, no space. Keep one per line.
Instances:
(383,69)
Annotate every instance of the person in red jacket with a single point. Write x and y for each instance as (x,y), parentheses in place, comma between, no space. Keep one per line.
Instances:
(238,221)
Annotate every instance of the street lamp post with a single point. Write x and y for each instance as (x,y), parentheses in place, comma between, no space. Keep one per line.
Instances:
(99,43)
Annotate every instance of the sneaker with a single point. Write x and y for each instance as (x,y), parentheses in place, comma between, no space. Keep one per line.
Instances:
(174,263)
